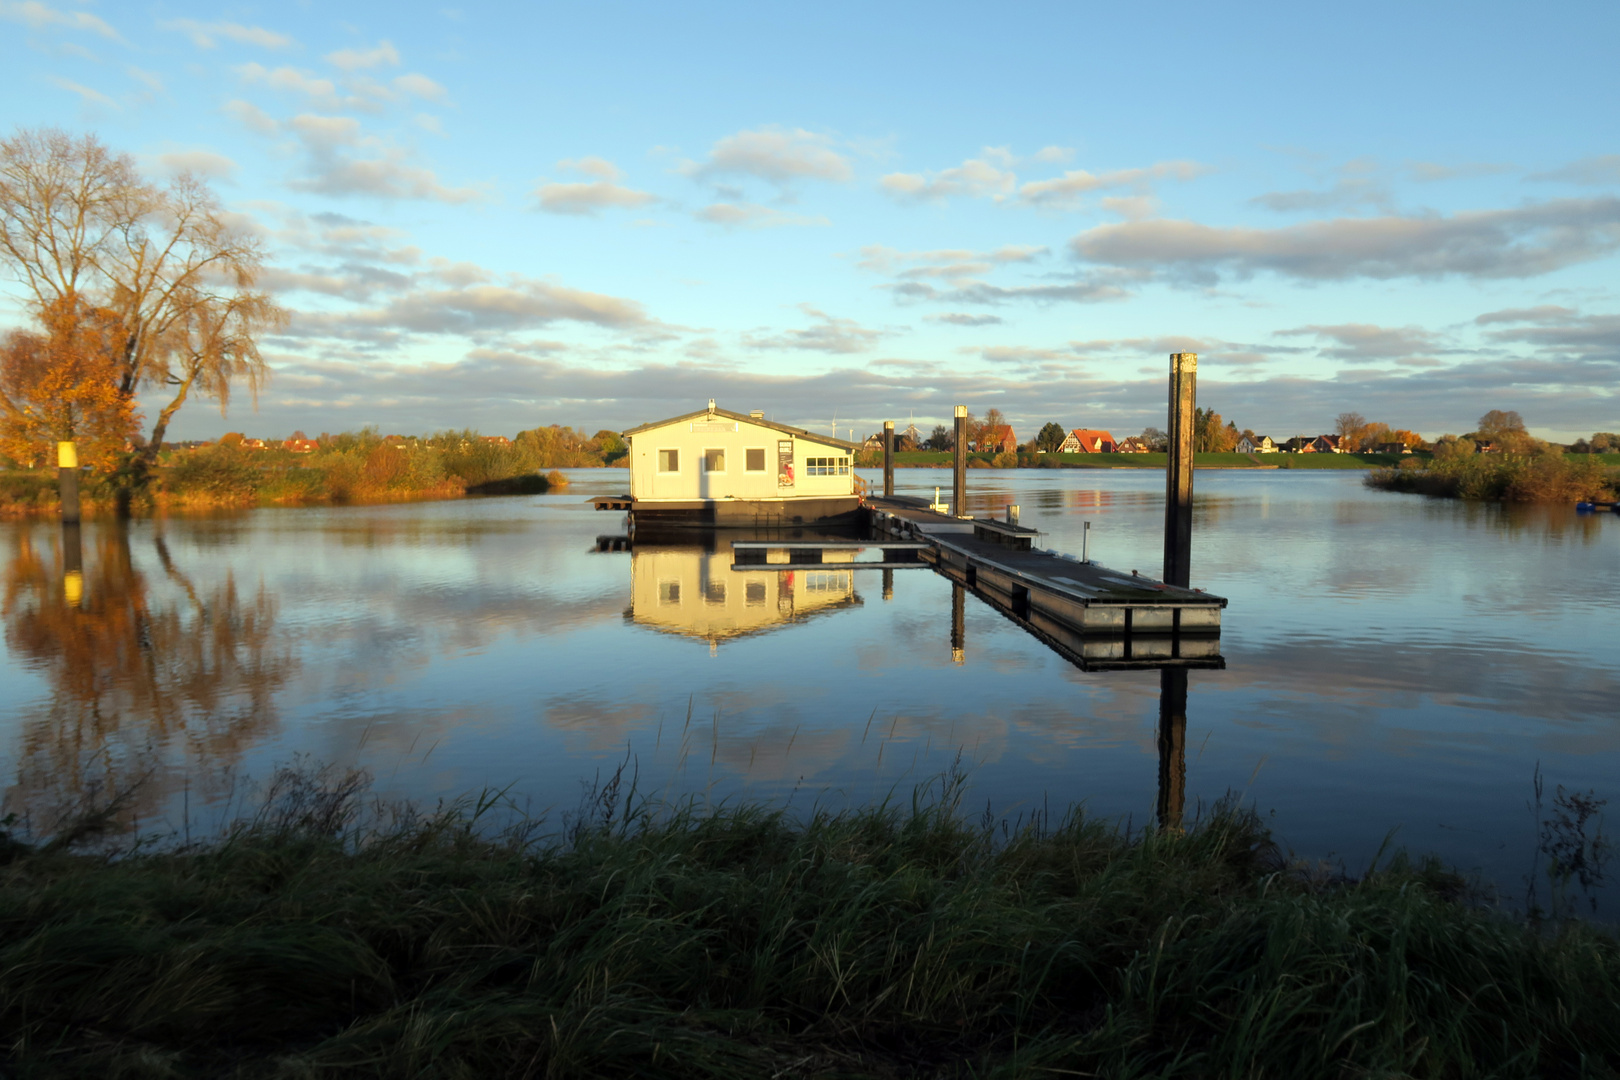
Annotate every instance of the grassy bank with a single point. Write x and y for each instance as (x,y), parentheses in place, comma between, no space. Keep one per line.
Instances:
(1544,477)
(738,942)
(343,469)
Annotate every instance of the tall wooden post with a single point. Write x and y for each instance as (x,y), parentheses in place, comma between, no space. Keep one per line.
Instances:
(1178,473)
(888,584)
(1172,747)
(888,459)
(959,480)
(958,623)
(67,481)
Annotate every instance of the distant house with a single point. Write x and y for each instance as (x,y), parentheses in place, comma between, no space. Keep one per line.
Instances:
(254,444)
(301,446)
(1256,444)
(1132,444)
(1396,448)
(1322,444)
(1487,448)
(873,442)
(498,440)
(1088,441)
(997,439)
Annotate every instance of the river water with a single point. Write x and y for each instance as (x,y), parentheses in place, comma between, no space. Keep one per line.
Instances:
(1395,666)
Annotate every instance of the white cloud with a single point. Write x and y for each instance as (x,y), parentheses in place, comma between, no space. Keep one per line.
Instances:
(986,175)
(956,318)
(1595,171)
(38,16)
(204,163)
(290,80)
(251,117)
(746,215)
(1537,238)
(150,80)
(589,197)
(779,155)
(1367,341)
(89,96)
(358,59)
(420,86)
(600,168)
(1068,190)
(208,35)
(828,334)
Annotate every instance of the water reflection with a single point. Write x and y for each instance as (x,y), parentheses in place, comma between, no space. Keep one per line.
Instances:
(692,590)
(139,674)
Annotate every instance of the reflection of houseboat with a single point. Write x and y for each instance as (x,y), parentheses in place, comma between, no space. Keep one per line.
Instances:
(690,591)
(716,467)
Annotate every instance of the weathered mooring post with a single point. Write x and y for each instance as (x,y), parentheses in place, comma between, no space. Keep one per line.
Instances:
(1178,473)
(1172,747)
(888,584)
(888,459)
(959,480)
(67,481)
(958,621)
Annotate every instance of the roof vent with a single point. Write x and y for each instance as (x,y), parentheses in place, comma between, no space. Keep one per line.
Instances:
(711,404)
(756,414)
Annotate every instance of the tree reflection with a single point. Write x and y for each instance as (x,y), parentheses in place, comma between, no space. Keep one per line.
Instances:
(150,680)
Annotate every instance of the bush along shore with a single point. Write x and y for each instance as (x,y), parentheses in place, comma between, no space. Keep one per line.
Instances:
(1546,476)
(314,939)
(350,468)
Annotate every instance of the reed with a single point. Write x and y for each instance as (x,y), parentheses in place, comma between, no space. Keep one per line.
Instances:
(330,935)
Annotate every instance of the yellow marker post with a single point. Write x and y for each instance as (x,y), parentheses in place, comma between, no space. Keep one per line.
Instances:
(67,480)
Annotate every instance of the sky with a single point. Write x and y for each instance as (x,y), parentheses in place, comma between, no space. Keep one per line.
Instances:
(501,216)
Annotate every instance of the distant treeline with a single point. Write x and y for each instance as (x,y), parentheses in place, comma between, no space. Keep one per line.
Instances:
(360,466)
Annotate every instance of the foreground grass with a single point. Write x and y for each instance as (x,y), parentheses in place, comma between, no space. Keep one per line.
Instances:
(739,942)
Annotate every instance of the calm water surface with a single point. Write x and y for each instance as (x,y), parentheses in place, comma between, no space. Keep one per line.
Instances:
(1393,663)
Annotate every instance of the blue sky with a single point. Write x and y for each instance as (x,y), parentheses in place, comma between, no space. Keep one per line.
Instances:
(500,216)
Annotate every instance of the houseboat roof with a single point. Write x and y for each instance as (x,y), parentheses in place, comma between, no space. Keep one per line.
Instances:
(744,418)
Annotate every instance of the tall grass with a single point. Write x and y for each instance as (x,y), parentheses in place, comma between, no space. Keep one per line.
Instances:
(323,938)
(1548,476)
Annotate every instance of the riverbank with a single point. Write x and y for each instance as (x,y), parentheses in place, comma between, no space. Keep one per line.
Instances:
(327,934)
(348,469)
(1523,478)
(943,459)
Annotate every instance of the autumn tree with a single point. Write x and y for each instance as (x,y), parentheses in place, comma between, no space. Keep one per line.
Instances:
(1155,439)
(1051,437)
(1211,434)
(175,272)
(1350,427)
(61,385)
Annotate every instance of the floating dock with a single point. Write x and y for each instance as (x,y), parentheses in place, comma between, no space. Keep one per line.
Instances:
(1097,617)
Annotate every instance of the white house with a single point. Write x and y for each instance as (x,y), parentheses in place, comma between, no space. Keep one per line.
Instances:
(715,467)
(1256,444)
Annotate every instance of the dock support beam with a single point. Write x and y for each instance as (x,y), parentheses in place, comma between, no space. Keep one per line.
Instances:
(1172,747)
(1178,473)
(67,481)
(888,459)
(959,478)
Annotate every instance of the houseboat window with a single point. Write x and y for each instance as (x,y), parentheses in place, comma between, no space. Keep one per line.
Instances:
(669,461)
(714,461)
(826,466)
(754,593)
(837,581)
(755,459)
(669,592)
(714,592)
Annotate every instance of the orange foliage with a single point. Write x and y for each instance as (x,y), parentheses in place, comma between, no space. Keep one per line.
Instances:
(64,385)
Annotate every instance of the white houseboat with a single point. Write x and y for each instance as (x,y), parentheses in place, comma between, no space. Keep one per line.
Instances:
(719,468)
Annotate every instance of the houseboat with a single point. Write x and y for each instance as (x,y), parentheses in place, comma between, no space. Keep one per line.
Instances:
(716,468)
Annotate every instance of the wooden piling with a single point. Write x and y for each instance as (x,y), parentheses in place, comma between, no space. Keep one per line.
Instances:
(888,584)
(959,480)
(958,623)
(1178,479)
(888,459)
(72,564)
(67,481)
(1172,747)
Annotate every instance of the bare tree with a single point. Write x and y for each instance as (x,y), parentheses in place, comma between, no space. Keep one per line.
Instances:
(77,221)
(1350,427)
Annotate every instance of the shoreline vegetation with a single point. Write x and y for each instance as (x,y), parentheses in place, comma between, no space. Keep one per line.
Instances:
(1544,476)
(329,932)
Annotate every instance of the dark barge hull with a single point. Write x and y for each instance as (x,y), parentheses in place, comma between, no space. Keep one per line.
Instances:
(839,512)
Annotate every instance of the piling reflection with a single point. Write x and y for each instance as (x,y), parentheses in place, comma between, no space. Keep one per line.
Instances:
(146,678)
(1172,747)
(692,590)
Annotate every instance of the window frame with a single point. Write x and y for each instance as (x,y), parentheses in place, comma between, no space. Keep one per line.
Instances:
(761,451)
(676,451)
(704,459)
